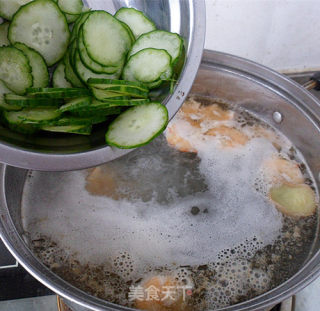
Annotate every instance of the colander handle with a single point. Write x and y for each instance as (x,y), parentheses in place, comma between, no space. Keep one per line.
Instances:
(313,83)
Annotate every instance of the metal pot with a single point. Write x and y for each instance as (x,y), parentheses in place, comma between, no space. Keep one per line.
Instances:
(267,94)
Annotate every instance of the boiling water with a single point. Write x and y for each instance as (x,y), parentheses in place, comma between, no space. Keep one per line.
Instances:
(202,218)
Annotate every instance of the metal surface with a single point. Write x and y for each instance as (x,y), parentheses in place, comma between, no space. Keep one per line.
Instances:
(254,87)
(287,305)
(310,85)
(6,260)
(61,152)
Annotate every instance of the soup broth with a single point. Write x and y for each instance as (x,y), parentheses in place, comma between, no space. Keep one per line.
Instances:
(184,223)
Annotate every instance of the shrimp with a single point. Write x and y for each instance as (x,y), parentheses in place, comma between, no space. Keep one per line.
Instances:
(165,293)
(195,113)
(228,136)
(200,117)
(278,170)
(269,134)
(175,140)
(100,182)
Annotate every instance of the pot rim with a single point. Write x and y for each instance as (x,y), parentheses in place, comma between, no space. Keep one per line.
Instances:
(298,281)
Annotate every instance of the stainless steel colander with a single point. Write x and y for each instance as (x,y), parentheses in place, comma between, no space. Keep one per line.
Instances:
(69,152)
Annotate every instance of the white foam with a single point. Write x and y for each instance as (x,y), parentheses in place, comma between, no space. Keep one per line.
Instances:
(99,229)
(236,278)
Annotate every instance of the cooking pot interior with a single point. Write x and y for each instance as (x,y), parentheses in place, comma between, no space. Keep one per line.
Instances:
(222,78)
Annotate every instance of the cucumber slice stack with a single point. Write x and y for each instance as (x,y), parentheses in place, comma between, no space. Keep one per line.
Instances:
(57,93)
(23,101)
(102,71)
(143,55)
(149,66)
(59,79)
(15,70)
(4,34)
(128,130)
(32,26)
(3,105)
(71,7)
(106,40)
(160,39)
(9,7)
(136,21)
(39,68)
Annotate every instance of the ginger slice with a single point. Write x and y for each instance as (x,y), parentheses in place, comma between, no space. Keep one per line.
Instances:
(294,200)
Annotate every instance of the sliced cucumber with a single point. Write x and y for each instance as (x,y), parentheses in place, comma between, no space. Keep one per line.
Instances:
(108,103)
(69,121)
(131,102)
(12,121)
(59,93)
(137,126)
(166,76)
(22,101)
(73,7)
(154,84)
(106,95)
(92,65)
(106,40)
(3,105)
(136,20)
(113,91)
(75,104)
(9,7)
(128,29)
(96,119)
(148,65)
(71,18)
(37,115)
(72,55)
(42,26)
(72,129)
(74,120)
(59,78)
(97,112)
(8,107)
(77,25)
(32,116)
(100,105)
(85,74)
(4,34)
(39,68)
(160,39)
(91,114)
(71,76)
(106,83)
(15,70)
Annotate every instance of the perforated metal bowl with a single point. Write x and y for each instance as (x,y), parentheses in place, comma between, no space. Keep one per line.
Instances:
(69,152)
